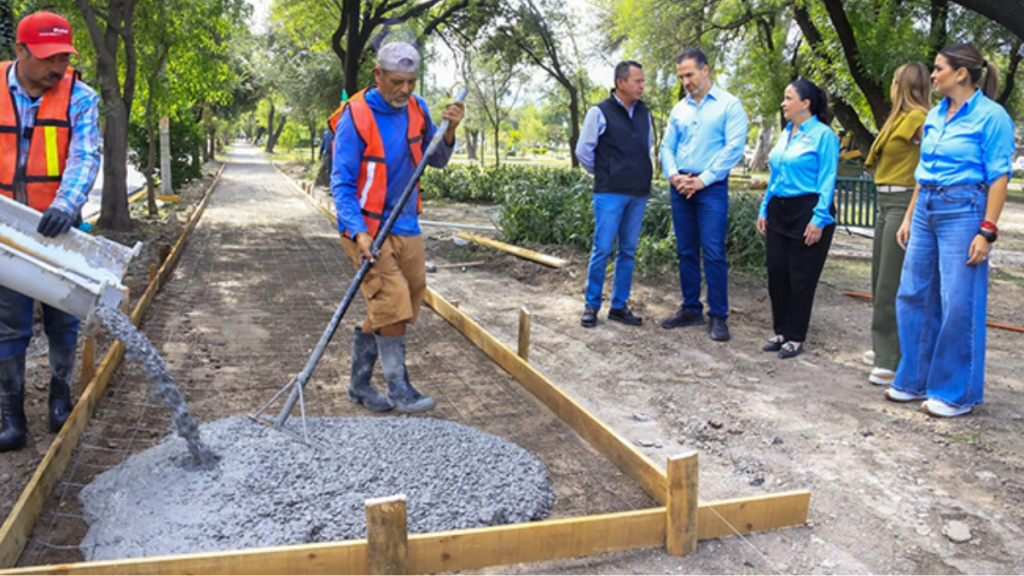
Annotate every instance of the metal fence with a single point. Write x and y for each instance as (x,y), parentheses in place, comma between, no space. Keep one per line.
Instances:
(856,201)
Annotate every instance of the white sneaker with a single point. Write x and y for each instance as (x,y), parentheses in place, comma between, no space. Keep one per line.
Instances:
(895,395)
(939,408)
(868,358)
(881,376)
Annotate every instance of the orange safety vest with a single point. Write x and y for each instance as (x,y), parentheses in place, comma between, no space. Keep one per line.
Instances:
(49,141)
(372,183)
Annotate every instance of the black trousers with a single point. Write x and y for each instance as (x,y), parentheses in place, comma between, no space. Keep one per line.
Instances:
(793,267)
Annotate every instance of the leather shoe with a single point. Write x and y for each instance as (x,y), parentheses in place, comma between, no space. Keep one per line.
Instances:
(718,330)
(790,349)
(589,318)
(773,345)
(683,317)
(625,316)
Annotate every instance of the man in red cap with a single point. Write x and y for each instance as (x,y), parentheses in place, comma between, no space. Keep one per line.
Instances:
(49,159)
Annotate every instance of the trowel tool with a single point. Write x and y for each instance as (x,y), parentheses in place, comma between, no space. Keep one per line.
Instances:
(298,383)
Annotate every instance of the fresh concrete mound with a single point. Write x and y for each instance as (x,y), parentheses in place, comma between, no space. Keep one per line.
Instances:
(269,490)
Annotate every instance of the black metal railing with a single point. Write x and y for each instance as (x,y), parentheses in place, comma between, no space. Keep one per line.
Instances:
(856,201)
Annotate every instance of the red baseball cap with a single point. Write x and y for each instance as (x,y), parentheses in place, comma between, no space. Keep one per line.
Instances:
(46,34)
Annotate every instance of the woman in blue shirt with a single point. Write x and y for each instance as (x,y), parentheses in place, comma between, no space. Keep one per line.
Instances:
(797,213)
(966,154)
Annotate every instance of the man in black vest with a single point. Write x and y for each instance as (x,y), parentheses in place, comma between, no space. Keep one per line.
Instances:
(615,146)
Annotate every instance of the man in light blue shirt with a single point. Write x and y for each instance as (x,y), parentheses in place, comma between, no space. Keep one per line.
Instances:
(704,139)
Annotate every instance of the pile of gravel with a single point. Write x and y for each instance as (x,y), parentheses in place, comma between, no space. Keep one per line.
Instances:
(269,490)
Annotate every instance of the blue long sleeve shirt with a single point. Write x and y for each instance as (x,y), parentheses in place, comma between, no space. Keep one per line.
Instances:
(393,124)
(594,125)
(976,145)
(83,163)
(805,164)
(706,139)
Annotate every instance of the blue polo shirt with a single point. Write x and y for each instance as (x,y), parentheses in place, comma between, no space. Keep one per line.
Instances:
(976,145)
(805,164)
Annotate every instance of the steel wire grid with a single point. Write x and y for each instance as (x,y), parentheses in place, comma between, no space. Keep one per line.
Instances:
(247,302)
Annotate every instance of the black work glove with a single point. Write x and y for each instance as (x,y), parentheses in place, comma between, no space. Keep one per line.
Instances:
(55,222)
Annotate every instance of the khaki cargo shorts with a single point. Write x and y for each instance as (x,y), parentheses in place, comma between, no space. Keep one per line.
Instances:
(395,284)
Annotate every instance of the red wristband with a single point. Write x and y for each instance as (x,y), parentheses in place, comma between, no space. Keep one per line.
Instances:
(990,226)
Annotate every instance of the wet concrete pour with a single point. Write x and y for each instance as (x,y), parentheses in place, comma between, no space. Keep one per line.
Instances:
(269,489)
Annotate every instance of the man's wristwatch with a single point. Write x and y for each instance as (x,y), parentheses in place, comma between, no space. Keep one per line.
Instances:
(989,231)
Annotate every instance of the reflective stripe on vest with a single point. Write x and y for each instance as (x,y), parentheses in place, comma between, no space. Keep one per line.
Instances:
(49,142)
(372,182)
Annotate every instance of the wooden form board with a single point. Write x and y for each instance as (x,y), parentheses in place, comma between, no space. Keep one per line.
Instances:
(515,250)
(18,526)
(470,549)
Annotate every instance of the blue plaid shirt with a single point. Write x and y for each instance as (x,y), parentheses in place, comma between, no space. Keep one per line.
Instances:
(83,150)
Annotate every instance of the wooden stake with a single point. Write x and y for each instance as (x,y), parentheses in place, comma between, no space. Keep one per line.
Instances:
(387,538)
(524,334)
(460,264)
(163,251)
(88,361)
(681,534)
(152,273)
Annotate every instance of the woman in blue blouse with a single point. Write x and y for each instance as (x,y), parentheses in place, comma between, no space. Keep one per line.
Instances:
(966,154)
(797,213)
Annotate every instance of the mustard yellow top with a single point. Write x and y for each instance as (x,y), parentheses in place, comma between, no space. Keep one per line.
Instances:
(895,153)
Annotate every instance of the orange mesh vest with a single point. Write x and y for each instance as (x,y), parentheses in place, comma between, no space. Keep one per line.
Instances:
(372,183)
(49,141)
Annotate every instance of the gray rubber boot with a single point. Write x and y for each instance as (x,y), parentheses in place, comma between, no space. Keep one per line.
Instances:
(12,403)
(62,368)
(392,358)
(360,391)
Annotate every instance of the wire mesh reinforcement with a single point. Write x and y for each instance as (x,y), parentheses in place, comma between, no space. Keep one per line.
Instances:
(247,302)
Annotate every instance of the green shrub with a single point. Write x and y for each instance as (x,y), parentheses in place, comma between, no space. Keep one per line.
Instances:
(187,139)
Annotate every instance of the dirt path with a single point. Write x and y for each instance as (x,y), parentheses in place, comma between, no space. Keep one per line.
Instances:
(253,291)
(886,479)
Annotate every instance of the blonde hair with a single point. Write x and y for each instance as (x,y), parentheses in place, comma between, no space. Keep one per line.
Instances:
(913,92)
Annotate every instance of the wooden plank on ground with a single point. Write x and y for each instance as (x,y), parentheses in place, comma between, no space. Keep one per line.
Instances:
(515,250)
(752,514)
(18,526)
(605,440)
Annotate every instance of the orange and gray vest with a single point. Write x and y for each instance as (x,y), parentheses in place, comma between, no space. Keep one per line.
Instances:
(36,182)
(372,183)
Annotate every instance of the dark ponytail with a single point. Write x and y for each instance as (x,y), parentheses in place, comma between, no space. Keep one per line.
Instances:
(967,56)
(808,90)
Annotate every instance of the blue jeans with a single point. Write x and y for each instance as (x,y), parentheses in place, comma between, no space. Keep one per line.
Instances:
(940,307)
(700,224)
(616,216)
(16,324)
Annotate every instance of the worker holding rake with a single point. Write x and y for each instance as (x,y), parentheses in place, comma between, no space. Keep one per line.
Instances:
(380,137)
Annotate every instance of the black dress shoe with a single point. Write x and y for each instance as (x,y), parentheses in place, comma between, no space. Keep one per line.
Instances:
(684,318)
(718,330)
(589,318)
(773,345)
(625,316)
(790,349)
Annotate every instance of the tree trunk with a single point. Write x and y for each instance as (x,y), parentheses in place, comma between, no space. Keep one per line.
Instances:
(1005,12)
(470,142)
(496,146)
(764,147)
(354,46)
(937,37)
(211,142)
(873,92)
(312,142)
(1011,73)
(574,121)
(274,135)
(269,147)
(114,205)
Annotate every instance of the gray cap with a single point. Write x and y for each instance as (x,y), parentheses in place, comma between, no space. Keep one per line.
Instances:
(399,57)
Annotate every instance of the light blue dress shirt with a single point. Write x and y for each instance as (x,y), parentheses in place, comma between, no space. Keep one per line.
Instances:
(83,164)
(976,145)
(805,164)
(706,139)
(594,125)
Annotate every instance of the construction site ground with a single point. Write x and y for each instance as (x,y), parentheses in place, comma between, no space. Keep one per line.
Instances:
(263,273)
